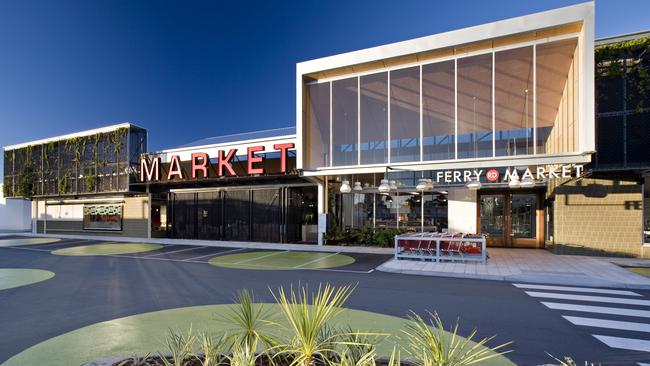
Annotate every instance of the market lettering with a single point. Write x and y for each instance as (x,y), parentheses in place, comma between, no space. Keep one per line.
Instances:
(201,166)
(150,170)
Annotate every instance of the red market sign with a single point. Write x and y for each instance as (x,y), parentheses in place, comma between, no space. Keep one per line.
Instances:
(201,167)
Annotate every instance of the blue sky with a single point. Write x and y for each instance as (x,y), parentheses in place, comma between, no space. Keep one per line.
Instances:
(192,69)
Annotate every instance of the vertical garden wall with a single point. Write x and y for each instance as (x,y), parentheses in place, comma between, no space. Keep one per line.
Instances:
(86,164)
(622,105)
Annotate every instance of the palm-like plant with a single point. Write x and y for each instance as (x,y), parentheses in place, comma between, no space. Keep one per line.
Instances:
(250,322)
(307,324)
(179,347)
(243,354)
(431,346)
(212,350)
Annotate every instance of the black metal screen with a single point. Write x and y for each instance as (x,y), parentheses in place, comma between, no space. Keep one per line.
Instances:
(236,221)
(208,213)
(267,214)
(184,215)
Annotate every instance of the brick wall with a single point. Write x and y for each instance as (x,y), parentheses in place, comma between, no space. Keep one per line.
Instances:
(598,217)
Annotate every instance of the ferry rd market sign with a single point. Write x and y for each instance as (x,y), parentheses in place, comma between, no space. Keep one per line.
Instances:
(200,166)
(537,173)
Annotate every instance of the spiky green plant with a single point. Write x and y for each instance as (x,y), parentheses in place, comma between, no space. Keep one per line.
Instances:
(180,348)
(306,319)
(430,345)
(357,348)
(213,350)
(250,322)
(243,354)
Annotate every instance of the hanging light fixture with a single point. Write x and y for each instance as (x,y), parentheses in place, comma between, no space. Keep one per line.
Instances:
(393,185)
(357,186)
(422,185)
(383,186)
(527,182)
(345,187)
(474,184)
(430,184)
(514,181)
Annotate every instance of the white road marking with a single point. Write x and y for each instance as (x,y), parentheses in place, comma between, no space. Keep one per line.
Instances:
(609,324)
(576,289)
(214,254)
(631,344)
(173,251)
(316,260)
(597,309)
(614,300)
(256,258)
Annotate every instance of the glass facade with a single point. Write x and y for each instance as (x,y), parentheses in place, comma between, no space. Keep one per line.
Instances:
(512,101)
(345,114)
(374,118)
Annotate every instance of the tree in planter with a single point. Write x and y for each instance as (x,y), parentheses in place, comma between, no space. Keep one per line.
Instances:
(25,183)
(116,140)
(64,183)
(91,182)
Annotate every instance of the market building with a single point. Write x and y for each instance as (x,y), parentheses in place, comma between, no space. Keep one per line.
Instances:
(491,129)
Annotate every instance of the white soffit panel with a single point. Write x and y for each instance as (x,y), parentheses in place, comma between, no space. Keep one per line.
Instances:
(547,19)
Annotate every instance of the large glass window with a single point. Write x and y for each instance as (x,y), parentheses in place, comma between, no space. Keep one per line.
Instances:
(374,118)
(318,129)
(405,115)
(438,119)
(557,97)
(513,101)
(102,217)
(475,106)
(345,122)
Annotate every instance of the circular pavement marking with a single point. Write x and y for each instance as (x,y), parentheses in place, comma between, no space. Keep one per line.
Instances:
(16,277)
(143,333)
(107,249)
(26,241)
(268,260)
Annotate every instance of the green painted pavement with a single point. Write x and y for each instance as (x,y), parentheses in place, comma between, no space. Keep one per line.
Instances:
(281,260)
(144,333)
(16,277)
(26,241)
(107,249)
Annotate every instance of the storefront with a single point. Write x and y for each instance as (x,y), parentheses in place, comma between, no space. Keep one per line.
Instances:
(458,132)
(241,187)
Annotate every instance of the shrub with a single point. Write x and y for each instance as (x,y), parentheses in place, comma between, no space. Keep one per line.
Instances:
(430,346)
(309,338)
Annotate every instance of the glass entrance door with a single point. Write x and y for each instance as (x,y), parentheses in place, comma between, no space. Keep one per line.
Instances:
(492,218)
(511,219)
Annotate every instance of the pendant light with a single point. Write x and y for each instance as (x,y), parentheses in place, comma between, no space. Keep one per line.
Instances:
(527,182)
(422,185)
(357,186)
(393,185)
(383,186)
(345,187)
(514,181)
(474,184)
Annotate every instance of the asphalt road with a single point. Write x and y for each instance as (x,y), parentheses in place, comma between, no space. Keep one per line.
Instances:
(91,289)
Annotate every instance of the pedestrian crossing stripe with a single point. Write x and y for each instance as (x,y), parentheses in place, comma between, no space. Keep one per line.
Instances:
(576,289)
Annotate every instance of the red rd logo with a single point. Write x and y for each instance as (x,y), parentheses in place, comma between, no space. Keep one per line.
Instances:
(492,175)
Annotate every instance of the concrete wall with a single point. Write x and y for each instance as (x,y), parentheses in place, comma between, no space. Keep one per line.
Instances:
(68,219)
(598,217)
(462,210)
(15,214)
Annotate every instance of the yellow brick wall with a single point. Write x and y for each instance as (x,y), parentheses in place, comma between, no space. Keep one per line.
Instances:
(598,217)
